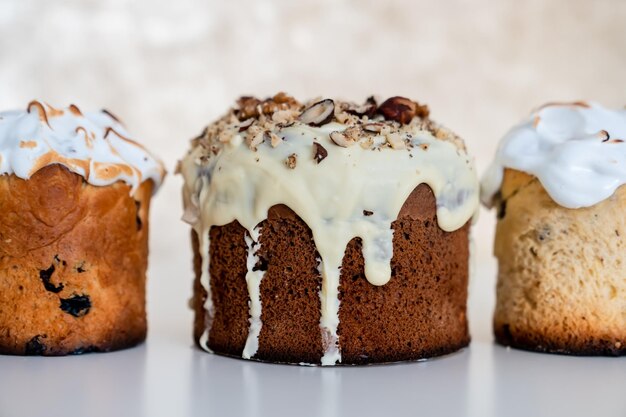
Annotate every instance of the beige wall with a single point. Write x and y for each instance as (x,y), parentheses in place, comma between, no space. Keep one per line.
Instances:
(169,67)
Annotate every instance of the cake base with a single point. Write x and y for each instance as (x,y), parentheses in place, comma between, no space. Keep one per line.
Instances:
(73,259)
(419,313)
(536,342)
(560,276)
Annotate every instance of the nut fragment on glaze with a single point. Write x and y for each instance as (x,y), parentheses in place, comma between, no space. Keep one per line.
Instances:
(341,139)
(402,110)
(319,152)
(319,113)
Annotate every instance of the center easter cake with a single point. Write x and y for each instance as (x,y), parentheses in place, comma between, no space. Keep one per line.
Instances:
(329,232)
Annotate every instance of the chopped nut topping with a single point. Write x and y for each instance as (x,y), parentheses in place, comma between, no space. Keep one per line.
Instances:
(319,113)
(273,138)
(340,139)
(604,135)
(291,161)
(283,98)
(248,107)
(368,109)
(402,110)
(396,141)
(367,143)
(255,137)
(284,116)
(280,101)
(245,125)
(373,127)
(225,136)
(319,152)
(395,124)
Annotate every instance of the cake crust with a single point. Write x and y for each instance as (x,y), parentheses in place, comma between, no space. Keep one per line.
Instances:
(73,259)
(560,280)
(420,313)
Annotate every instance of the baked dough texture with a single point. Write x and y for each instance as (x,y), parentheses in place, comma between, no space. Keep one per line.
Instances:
(561,279)
(73,260)
(419,313)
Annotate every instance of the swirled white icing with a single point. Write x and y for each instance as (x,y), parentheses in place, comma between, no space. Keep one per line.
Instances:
(353,191)
(93,145)
(576,150)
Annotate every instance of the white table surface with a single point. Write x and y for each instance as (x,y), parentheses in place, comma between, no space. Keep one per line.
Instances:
(168,376)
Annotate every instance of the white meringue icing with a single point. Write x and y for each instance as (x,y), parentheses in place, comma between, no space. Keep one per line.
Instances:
(93,145)
(576,150)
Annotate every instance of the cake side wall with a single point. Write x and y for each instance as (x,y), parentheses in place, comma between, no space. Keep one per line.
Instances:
(421,312)
(227,267)
(291,306)
(560,280)
(73,261)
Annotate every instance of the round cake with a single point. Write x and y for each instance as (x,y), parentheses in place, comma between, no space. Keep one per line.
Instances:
(75,193)
(557,184)
(329,232)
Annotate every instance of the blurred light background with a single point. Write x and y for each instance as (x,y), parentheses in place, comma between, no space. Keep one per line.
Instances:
(167,68)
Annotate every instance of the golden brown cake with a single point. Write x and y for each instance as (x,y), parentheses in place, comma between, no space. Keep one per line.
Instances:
(556,185)
(329,233)
(74,200)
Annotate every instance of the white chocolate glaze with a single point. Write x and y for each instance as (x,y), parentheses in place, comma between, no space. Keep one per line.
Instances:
(93,145)
(204,246)
(576,150)
(253,279)
(353,191)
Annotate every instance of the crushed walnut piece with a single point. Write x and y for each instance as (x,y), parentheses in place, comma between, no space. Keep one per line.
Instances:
(248,107)
(291,161)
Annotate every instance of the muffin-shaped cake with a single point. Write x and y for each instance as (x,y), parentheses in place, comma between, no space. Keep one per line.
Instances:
(74,197)
(556,183)
(329,233)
